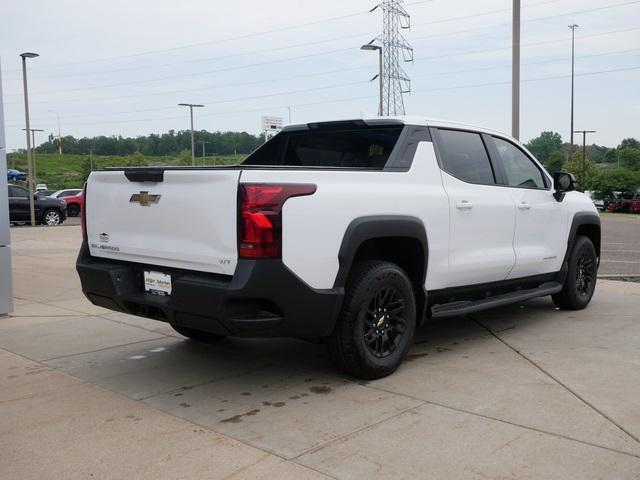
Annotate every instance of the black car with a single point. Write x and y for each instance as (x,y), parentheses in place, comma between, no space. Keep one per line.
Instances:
(49,211)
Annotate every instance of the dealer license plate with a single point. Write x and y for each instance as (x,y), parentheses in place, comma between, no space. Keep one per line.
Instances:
(157,283)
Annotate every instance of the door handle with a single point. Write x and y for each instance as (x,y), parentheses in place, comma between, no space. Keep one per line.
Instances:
(464,205)
(524,206)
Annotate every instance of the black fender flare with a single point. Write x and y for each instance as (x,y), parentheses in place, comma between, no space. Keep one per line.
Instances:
(378,226)
(580,219)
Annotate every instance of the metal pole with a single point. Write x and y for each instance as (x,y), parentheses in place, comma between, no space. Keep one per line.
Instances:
(515,72)
(91,158)
(381,62)
(32,210)
(584,158)
(33,155)
(573,37)
(584,155)
(193,145)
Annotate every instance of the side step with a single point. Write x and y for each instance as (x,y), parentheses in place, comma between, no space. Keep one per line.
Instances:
(454,309)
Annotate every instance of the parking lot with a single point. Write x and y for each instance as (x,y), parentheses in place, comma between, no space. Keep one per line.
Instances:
(522,392)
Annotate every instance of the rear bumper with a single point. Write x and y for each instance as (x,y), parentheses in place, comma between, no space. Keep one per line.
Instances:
(262,299)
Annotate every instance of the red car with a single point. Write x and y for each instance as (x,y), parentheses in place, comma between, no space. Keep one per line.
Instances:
(74,204)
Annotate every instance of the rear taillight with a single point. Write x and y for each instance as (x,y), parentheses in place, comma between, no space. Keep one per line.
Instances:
(260,222)
(83,212)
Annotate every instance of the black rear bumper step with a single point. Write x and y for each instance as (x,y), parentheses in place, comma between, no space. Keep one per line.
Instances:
(454,309)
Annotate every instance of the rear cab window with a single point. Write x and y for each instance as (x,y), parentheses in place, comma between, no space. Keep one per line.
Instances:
(352,146)
(464,156)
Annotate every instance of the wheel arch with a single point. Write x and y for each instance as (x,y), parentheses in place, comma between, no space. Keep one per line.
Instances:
(589,225)
(395,238)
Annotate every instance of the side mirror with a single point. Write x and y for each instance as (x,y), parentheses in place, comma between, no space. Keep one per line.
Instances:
(563,182)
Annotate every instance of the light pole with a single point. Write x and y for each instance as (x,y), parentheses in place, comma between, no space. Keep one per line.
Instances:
(515,71)
(33,153)
(32,209)
(584,154)
(193,144)
(203,151)
(573,43)
(379,76)
(59,135)
(91,150)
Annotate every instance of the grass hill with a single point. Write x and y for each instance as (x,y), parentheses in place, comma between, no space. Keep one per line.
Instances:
(70,171)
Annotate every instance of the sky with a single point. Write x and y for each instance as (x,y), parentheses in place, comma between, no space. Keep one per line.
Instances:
(121,67)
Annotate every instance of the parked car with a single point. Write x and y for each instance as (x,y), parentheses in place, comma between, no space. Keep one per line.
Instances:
(67,192)
(350,232)
(42,187)
(13,175)
(48,211)
(74,204)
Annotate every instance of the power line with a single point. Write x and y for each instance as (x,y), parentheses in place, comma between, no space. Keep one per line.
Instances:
(222,40)
(436,89)
(430,74)
(416,59)
(228,39)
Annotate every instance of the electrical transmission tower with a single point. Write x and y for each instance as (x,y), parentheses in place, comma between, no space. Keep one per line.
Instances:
(395,81)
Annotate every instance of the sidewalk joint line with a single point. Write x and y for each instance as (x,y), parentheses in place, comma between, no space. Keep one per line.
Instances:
(557,380)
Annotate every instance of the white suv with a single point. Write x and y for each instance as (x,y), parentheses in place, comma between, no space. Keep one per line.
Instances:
(351,231)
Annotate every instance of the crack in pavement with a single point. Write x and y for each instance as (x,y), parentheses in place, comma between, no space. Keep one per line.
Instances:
(555,379)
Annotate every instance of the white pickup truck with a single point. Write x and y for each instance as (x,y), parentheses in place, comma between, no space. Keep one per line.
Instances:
(353,232)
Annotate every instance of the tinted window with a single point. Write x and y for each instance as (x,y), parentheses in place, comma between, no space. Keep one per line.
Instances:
(465,157)
(18,192)
(520,169)
(362,147)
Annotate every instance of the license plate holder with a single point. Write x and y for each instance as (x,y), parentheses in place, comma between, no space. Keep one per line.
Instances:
(157,283)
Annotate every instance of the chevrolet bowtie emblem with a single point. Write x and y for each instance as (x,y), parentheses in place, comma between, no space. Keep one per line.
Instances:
(144,198)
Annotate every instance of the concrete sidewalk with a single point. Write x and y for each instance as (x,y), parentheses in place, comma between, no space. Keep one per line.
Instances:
(521,392)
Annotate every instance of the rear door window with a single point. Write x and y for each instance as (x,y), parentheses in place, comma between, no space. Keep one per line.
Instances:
(356,147)
(17,192)
(465,157)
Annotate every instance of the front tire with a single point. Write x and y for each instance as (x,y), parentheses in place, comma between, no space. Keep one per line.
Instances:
(582,276)
(51,218)
(197,335)
(377,323)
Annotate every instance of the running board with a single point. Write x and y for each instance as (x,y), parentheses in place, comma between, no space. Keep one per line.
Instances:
(454,309)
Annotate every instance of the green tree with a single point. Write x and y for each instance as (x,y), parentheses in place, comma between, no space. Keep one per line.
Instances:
(629,143)
(611,156)
(544,145)
(184,158)
(629,157)
(136,160)
(555,161)
(85,169)
(615,179)
(584,170)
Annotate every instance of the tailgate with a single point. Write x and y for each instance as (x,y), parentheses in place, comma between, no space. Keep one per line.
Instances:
(186,221)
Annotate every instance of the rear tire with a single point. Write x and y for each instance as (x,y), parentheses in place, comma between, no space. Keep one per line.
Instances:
(377,322)
(73,210)
(582,276)
(197,335)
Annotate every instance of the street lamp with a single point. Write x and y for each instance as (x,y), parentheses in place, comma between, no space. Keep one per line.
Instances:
(193,143)
(33,154)
(32,210)
(59,135)
(379,76)
(573,43)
